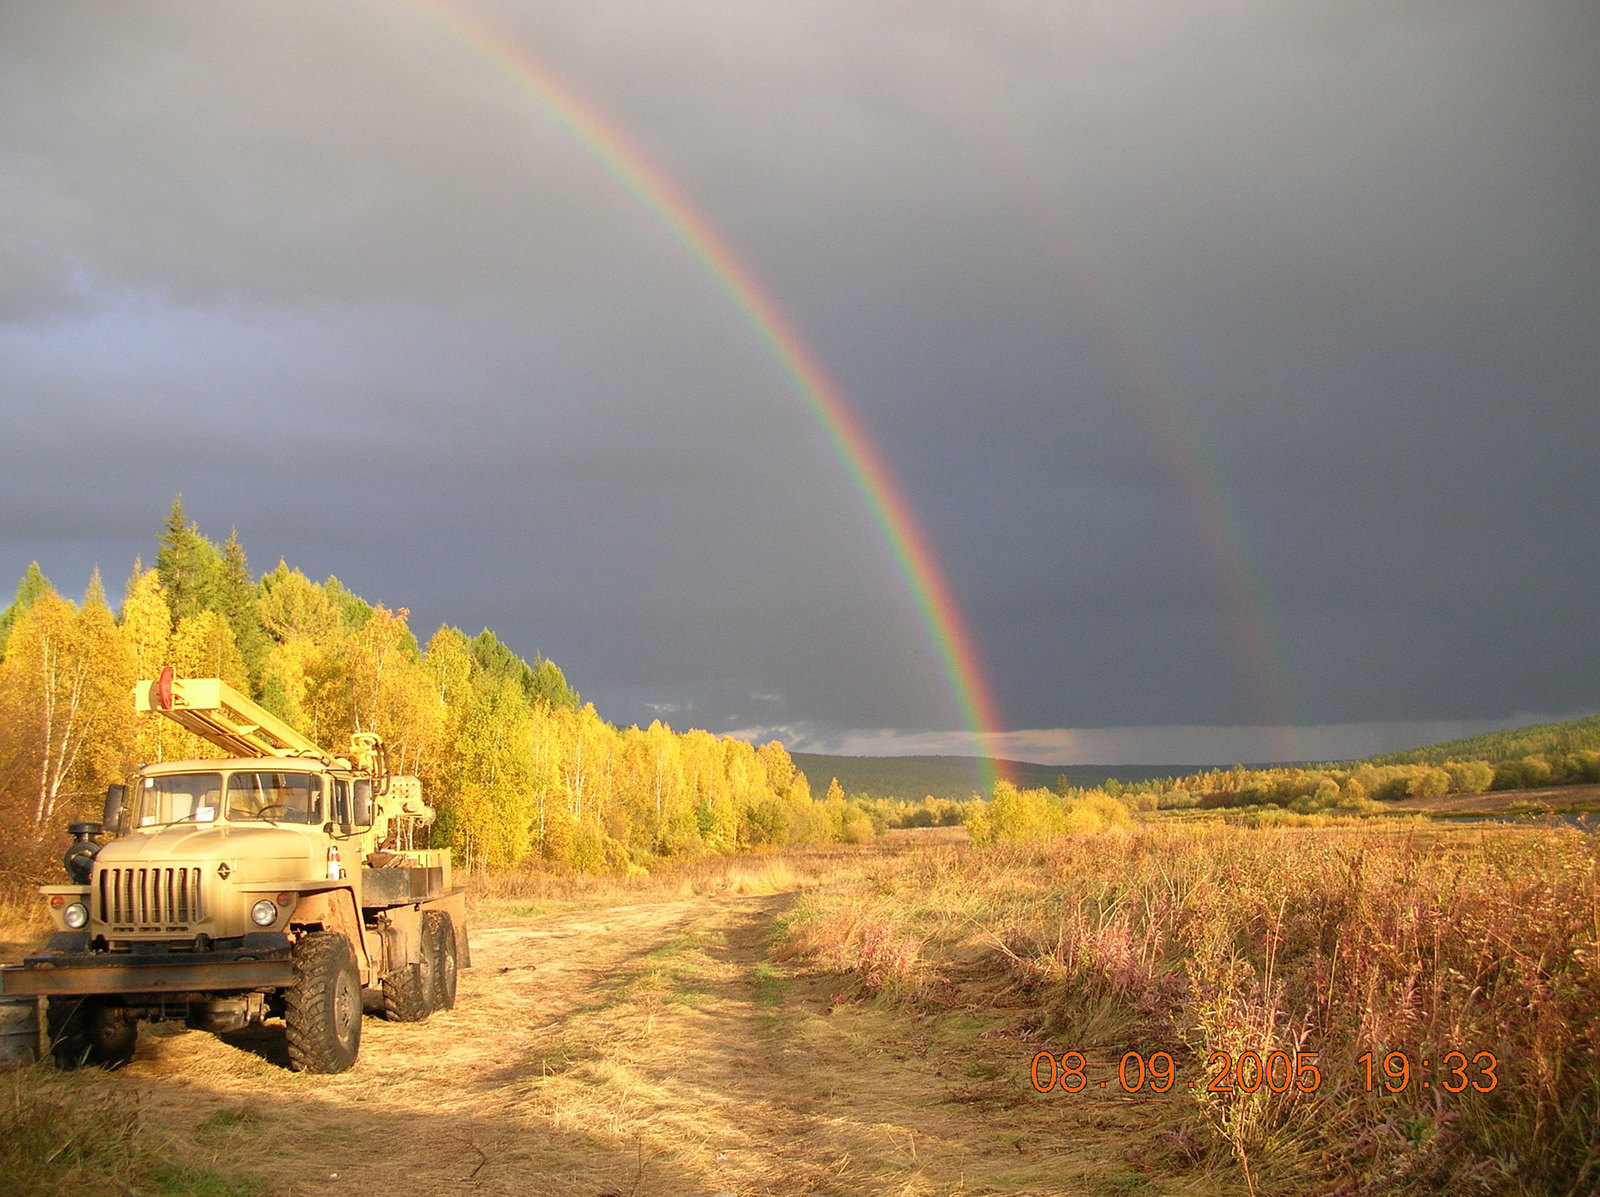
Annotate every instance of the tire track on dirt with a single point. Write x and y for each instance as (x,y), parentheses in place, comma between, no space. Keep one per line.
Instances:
(644,1049)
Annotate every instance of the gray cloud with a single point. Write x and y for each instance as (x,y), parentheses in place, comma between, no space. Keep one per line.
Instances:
(1152,309)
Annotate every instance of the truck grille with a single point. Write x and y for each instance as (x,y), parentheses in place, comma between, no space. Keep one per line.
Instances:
(149,897)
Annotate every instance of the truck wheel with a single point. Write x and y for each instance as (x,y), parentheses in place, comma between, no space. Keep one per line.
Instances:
(408,991)
(322,1012)
(438,930)
(90,1030)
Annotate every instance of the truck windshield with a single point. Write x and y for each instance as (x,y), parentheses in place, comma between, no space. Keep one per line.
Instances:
(271,797)
(178,798)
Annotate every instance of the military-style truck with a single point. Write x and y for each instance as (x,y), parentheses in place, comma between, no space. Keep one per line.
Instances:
(275,882)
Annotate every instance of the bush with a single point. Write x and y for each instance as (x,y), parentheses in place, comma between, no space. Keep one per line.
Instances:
(1106,810)
(1576,768)
(1428,783)
(679,835)
(855,827)
(979,828)
(767,822)
(1022,815)
(1469,777)
(1028,816)
(1527,774)
(810,824)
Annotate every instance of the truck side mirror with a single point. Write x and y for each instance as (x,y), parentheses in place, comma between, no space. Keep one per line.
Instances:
(116,795)
(361,803)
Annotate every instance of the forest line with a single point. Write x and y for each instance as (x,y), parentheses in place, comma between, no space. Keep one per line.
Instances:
(518,767)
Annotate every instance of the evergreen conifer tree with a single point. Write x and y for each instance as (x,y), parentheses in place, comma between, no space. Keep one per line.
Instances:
(236,600)
(95,595)
(32,585)
(189,565)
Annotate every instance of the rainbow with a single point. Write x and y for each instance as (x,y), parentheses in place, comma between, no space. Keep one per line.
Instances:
(1159,399)
(897,524)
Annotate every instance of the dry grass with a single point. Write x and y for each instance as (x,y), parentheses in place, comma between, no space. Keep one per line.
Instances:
(72,1135)
(636,1041)
(59,1136)
(522,893)
(877,948)
(23,925)
(651,1047)
(690,1032)
(1206,938)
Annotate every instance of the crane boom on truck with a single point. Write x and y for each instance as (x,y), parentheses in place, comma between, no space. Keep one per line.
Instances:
(277,881)
(220,715)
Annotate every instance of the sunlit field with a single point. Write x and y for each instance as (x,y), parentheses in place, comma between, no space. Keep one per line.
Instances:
(882,1019)
(1412,960)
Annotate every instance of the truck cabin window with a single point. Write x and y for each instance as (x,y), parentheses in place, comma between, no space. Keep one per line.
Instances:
(267,797)
(178,798)
(340,803)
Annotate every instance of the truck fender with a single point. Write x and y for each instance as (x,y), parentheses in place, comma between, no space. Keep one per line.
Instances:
(335,910)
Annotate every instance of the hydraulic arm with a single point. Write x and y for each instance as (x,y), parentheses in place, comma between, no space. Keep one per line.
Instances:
(220,715)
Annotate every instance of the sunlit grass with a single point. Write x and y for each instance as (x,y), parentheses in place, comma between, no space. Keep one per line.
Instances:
(632,1014)
(67,1134)
(1205,938)
(532,892)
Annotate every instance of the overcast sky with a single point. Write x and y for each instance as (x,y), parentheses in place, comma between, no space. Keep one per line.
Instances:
(1241,359)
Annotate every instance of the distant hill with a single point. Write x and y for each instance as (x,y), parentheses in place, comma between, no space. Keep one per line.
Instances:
(915,777)
(1574,735)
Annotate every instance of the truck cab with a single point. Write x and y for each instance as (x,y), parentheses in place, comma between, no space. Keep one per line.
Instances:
(259,827)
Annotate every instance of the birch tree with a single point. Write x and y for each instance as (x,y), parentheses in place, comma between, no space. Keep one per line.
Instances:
(64,682)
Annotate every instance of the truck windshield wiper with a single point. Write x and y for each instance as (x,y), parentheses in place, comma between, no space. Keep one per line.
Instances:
(173,823)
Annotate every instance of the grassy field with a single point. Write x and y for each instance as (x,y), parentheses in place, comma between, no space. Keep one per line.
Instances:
(1206,942)
(870,1020)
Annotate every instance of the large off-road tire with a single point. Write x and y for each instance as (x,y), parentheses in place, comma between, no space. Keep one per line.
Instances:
(408,991)
(88,1030)
(438,930)
(322,1012)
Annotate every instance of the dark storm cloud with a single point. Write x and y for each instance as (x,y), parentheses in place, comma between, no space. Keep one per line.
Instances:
(1149,306)
(293,153)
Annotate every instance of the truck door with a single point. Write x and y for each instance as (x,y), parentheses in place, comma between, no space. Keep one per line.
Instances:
(345,830)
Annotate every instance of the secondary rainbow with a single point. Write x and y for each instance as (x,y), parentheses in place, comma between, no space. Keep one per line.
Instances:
(869,473)
(1158,398)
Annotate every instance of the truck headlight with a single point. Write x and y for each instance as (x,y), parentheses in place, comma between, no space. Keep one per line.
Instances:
(263,913)
(76,916)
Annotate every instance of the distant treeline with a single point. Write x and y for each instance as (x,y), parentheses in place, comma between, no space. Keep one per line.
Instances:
(1365,788)
(520,769)
(960,777)
(1015,812)
(517,766)
(1550,741)
(1550,754)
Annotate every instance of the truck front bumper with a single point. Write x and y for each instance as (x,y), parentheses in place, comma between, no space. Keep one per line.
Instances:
(72,973)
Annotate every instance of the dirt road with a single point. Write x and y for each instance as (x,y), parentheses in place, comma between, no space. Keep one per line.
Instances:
(649,1049)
